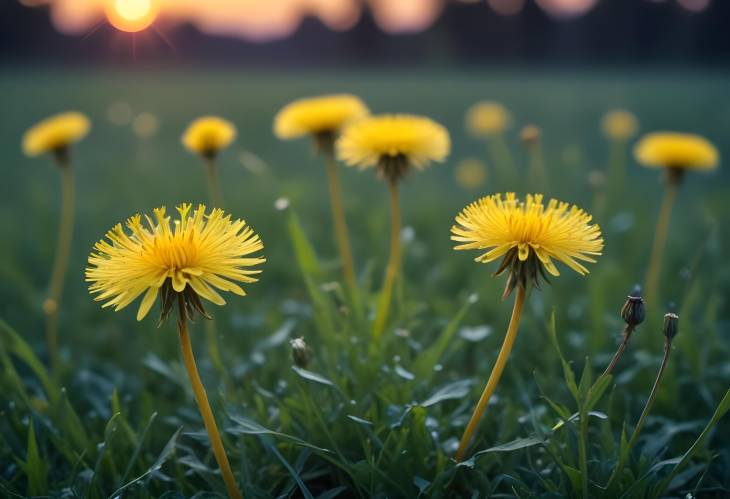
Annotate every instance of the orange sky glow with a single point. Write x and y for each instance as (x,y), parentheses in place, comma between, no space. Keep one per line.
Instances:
(262,20)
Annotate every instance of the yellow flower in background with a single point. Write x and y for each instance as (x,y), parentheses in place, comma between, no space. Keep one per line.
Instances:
(528,235)
(208,135)
(487,118)
(676,150)
(318,115)
(194,256)
(471,173)
(385,139)
(55,133)
(619,125)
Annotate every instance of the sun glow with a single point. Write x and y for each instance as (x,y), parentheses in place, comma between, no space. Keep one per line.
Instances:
(131,15)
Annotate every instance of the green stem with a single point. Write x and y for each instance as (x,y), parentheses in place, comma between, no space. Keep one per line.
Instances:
(583,453)
(214,188)
(623,458)
(628,330)
(537,177)
(203,405)
(52,303)
(341,232)
(495,375)
(503,162)
(391,271)
(660,239)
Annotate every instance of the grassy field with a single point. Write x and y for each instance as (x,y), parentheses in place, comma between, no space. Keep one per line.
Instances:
(120,420)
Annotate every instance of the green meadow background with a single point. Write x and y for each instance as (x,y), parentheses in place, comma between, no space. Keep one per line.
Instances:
(119,174)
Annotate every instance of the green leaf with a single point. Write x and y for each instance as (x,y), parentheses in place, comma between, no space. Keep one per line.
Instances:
(567,369)
(424,364)
(309,375)
(161,459)
(517,444)
(303,488)
(455,390)
(35,467)
(586,379)
(246,426)
(17,346)
(138,448)
(720,411)
(309,266)
(596,392)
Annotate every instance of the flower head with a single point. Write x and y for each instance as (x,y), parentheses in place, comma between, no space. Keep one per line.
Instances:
(487,118)
(682,151)
(193,257)
(318,115)
(55,133)
(393,143)
(528,235)
(208,135)
(619,125)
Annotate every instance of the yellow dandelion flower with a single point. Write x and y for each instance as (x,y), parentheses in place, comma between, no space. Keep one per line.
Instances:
(470,173)
(528,235)
(195,256)
(619,125)
(208,135)
(318,115)
(55,133)
(676,151)
(393,142)
(487,118)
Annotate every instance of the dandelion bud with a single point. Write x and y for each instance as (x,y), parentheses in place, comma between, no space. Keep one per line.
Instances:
(530,135)
(671,326)
(633,312)
(301,354)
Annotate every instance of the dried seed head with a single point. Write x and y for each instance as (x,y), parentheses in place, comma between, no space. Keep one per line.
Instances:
(301,354)
(671,325)
(530,135)
(633,312)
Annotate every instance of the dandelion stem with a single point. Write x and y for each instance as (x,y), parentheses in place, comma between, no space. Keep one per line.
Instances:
(502,158)
(583,453)
(537,177)
(341,233)
(214,187)
(628,330)
(391,271)
(202,399)
(660,239)
(60,263)
(623,458)
(496,373)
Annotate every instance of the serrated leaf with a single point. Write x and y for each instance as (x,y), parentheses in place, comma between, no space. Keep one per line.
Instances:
(568,375)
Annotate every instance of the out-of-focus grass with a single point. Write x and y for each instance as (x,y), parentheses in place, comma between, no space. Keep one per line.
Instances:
(360,425)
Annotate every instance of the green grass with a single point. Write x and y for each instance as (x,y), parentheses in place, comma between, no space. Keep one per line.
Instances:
(362,421)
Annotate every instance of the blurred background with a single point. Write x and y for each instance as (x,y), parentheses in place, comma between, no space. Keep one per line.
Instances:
(143,69)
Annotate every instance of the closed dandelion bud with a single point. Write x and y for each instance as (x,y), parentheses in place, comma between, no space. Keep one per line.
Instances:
(633,312)
(301,354)
(671,325)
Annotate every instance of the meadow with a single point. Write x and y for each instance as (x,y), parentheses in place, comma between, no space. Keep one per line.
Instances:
(119,419)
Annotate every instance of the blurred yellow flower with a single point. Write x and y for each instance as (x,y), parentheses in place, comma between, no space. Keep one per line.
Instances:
(677,151)
(208,135)
(397,140)
(487,118)
(471,173)
(55,133)
(619,125)
(318,115)
(528,234)
(198,253)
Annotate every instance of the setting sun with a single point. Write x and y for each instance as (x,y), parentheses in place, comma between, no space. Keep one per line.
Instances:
(131,15)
